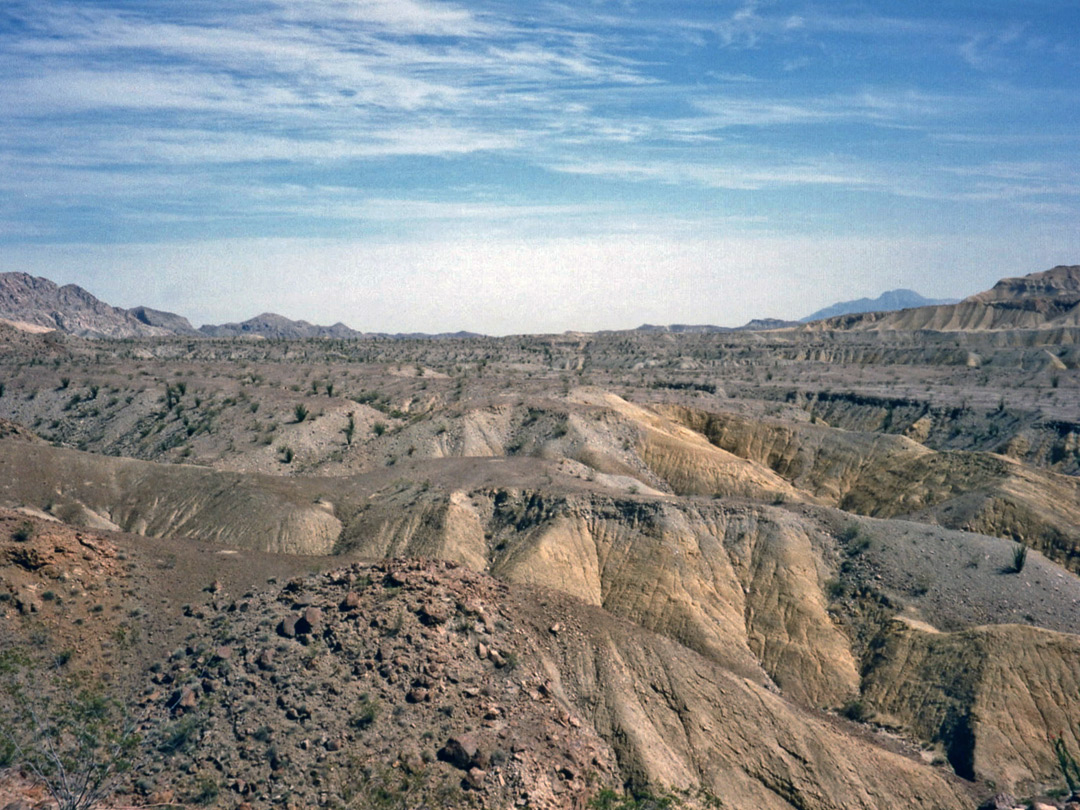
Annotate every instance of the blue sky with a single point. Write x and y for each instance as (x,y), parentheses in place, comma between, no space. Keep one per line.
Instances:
(522,167)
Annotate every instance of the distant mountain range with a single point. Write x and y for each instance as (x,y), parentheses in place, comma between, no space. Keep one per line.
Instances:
(1035,301)
(886,302)
(39,304)
(756,325)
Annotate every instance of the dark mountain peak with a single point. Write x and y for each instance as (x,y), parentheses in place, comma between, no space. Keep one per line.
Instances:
(886,302)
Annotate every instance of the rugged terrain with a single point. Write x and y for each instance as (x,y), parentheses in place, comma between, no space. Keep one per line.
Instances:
(826,566)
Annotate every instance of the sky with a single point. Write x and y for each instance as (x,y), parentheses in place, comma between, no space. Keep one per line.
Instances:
(508,167)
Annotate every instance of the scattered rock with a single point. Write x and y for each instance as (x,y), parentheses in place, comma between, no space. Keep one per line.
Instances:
(310,622)
(460,751)
(475,778)
(183,699)
(433,613)
(287,627)
(999,801)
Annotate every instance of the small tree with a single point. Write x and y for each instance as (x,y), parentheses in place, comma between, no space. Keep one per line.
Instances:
(72,736)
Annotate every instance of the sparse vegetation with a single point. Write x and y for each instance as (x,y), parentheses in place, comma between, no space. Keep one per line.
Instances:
(608,799)
(1068,765)
(367,710)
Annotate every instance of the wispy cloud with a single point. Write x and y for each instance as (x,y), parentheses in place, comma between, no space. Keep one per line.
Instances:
(285,115)
(736,177)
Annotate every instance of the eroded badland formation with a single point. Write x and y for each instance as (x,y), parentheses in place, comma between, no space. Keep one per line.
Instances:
(757,569)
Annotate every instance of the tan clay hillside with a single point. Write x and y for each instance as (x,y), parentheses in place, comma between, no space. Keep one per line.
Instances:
(822,568)
(1061,282)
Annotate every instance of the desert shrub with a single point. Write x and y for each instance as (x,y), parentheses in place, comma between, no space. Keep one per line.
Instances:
(1019,559)
(366,712)
(835,588)
(24,532)
(856,711)
(849,533)
(300,412)
(379,428)
(206,791)
(180,735)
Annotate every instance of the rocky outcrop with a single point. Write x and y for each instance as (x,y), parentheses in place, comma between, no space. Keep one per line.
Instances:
(176,324)
(1059,282)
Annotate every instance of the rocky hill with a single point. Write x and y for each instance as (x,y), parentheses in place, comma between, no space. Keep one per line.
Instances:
(270,325)
(421,683)
(39,302)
